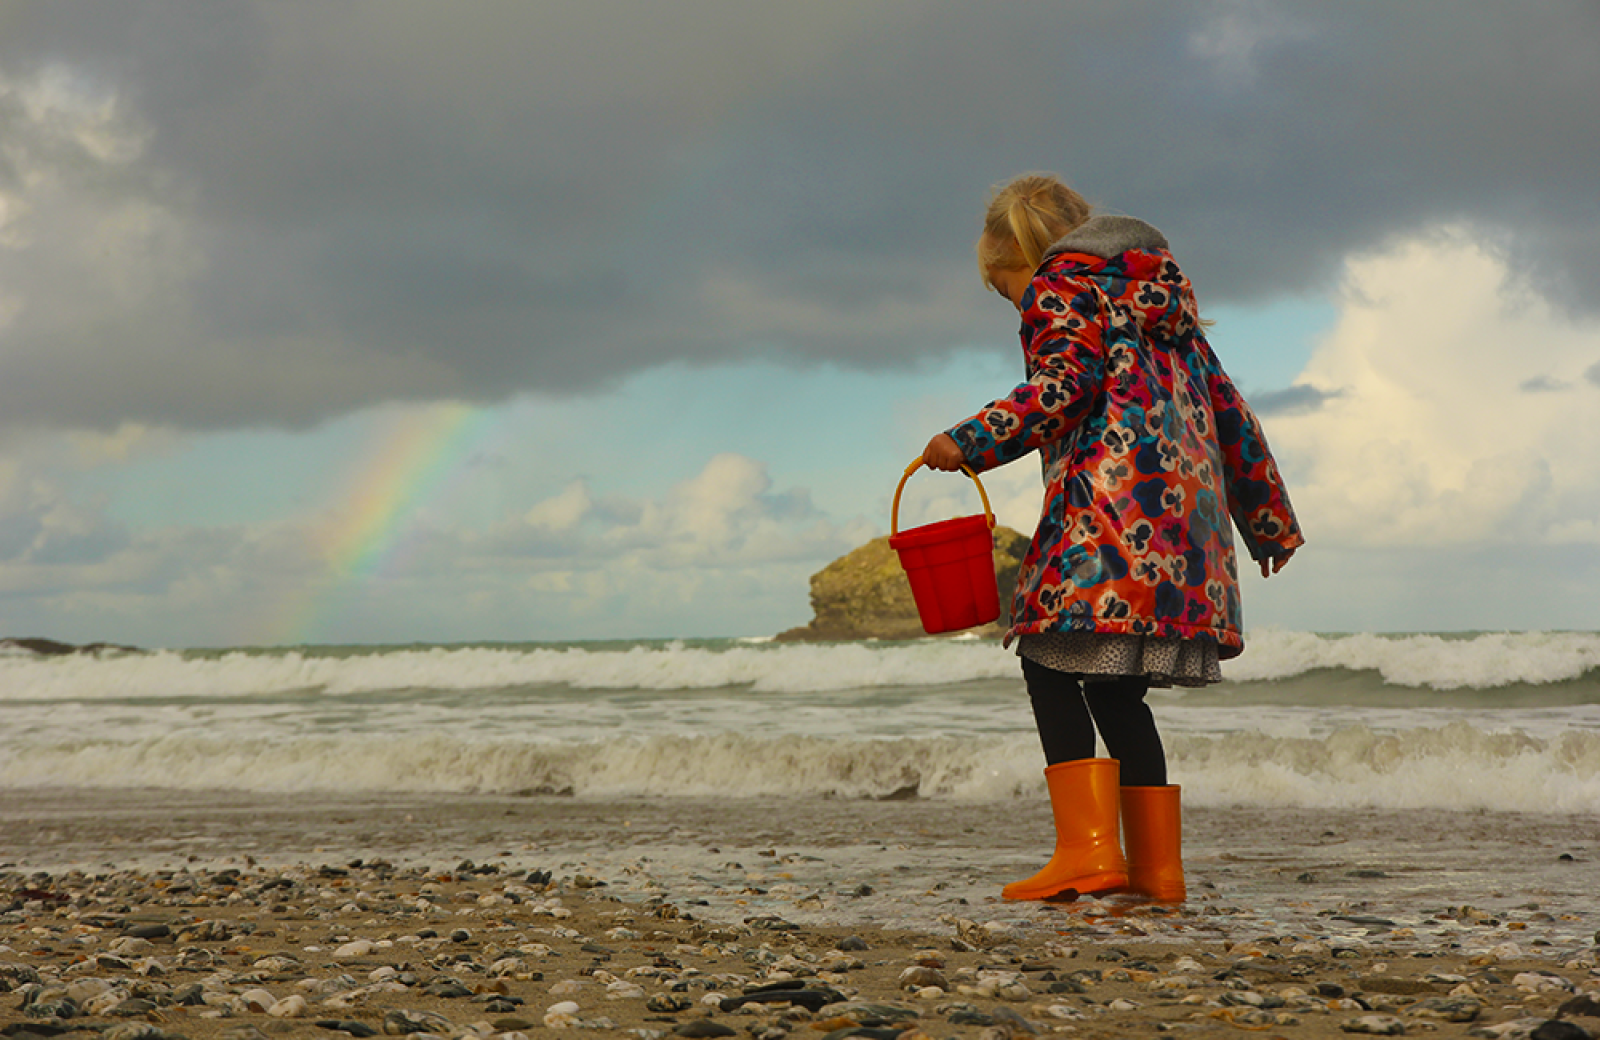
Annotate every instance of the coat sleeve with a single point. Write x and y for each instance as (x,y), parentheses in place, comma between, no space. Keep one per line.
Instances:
(1257,498)
(1066,365)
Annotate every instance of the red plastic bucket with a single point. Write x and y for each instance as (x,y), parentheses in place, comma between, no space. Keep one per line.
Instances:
(950,564)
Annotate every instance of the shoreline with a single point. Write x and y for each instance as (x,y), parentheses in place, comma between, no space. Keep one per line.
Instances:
(1261,855)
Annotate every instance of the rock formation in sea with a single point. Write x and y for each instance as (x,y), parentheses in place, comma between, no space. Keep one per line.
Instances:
(864,594)
(52,648)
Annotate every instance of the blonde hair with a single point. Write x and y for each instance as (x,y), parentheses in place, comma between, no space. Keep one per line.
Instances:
(1024,217)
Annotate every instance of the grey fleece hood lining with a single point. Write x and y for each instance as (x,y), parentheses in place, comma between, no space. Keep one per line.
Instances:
(1108,236)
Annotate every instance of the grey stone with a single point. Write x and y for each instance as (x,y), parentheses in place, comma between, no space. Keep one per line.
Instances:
(810,998)
(1006,1016)
(1449,1009)
(132,1007)
(447,989)
(920,977)
(347,1025)
(1516,1029)
(1584,1005)
(874,1014)
(148,931)
(404,1023)
(666,1003)
(704,1027)
(133,1031)
(65,1007)
(22,974)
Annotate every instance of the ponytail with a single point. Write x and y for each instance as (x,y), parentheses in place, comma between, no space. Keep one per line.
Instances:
(1023,219)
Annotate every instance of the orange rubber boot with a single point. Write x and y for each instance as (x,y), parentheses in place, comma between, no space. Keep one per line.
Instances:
(1153,828)
(1088,858)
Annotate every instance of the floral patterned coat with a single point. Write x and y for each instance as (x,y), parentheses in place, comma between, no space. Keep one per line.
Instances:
(1146,446)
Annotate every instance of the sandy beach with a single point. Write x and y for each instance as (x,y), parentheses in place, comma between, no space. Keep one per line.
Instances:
(133,914)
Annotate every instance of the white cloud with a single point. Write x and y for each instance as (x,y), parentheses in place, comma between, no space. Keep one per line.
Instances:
(727,515)
(721,552)
(1453,408)
(563,512)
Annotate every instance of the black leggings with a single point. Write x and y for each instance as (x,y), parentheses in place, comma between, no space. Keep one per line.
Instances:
(1062,704)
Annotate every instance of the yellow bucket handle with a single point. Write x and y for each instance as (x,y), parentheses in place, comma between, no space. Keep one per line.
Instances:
(894,510)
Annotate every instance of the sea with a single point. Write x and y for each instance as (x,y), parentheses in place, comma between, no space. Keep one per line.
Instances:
(1499,721)
(1402,768)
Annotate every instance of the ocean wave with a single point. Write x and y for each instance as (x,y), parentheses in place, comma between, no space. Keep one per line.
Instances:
(762,668)
(1455,766)
(1481,661)
(1424,662)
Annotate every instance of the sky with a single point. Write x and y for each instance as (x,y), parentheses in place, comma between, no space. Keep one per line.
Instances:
(388,321)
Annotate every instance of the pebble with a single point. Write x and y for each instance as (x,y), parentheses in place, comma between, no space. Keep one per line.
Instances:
(292,1006)
(704,1027)
(407,1022)
(1540,982)
(257,1000)
(1515,1029)
(921,977)
(558,1018)
(133,1031)
(1374,1025)
(1449,1009)
(1586,1004)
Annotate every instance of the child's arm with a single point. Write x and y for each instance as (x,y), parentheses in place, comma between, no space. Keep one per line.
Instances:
(1257,498)
(1067,364)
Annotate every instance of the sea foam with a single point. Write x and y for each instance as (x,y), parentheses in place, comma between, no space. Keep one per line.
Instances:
(1426,662)
(1481,661)
(1454,766)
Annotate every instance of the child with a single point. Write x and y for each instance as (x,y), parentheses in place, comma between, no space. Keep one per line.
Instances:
(1131,579)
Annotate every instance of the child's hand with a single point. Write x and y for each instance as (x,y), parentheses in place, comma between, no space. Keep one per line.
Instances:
(942,453)
(1273,564)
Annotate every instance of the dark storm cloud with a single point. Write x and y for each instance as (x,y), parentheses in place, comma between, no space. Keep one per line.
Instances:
(1543,385)
(371,201)
(1293,400)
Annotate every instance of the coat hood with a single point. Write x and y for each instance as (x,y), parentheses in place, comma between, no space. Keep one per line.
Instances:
(1116,251)
(1107,237)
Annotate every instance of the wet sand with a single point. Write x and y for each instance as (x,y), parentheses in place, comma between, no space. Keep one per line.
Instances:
(226,915)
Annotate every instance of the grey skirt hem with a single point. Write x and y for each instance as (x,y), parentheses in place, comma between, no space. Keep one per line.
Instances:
(1165,661)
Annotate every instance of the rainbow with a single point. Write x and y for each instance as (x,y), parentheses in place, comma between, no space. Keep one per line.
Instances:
(412,461)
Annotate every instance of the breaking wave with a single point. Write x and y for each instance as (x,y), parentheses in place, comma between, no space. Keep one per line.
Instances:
(1454,766)
(1481,662)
